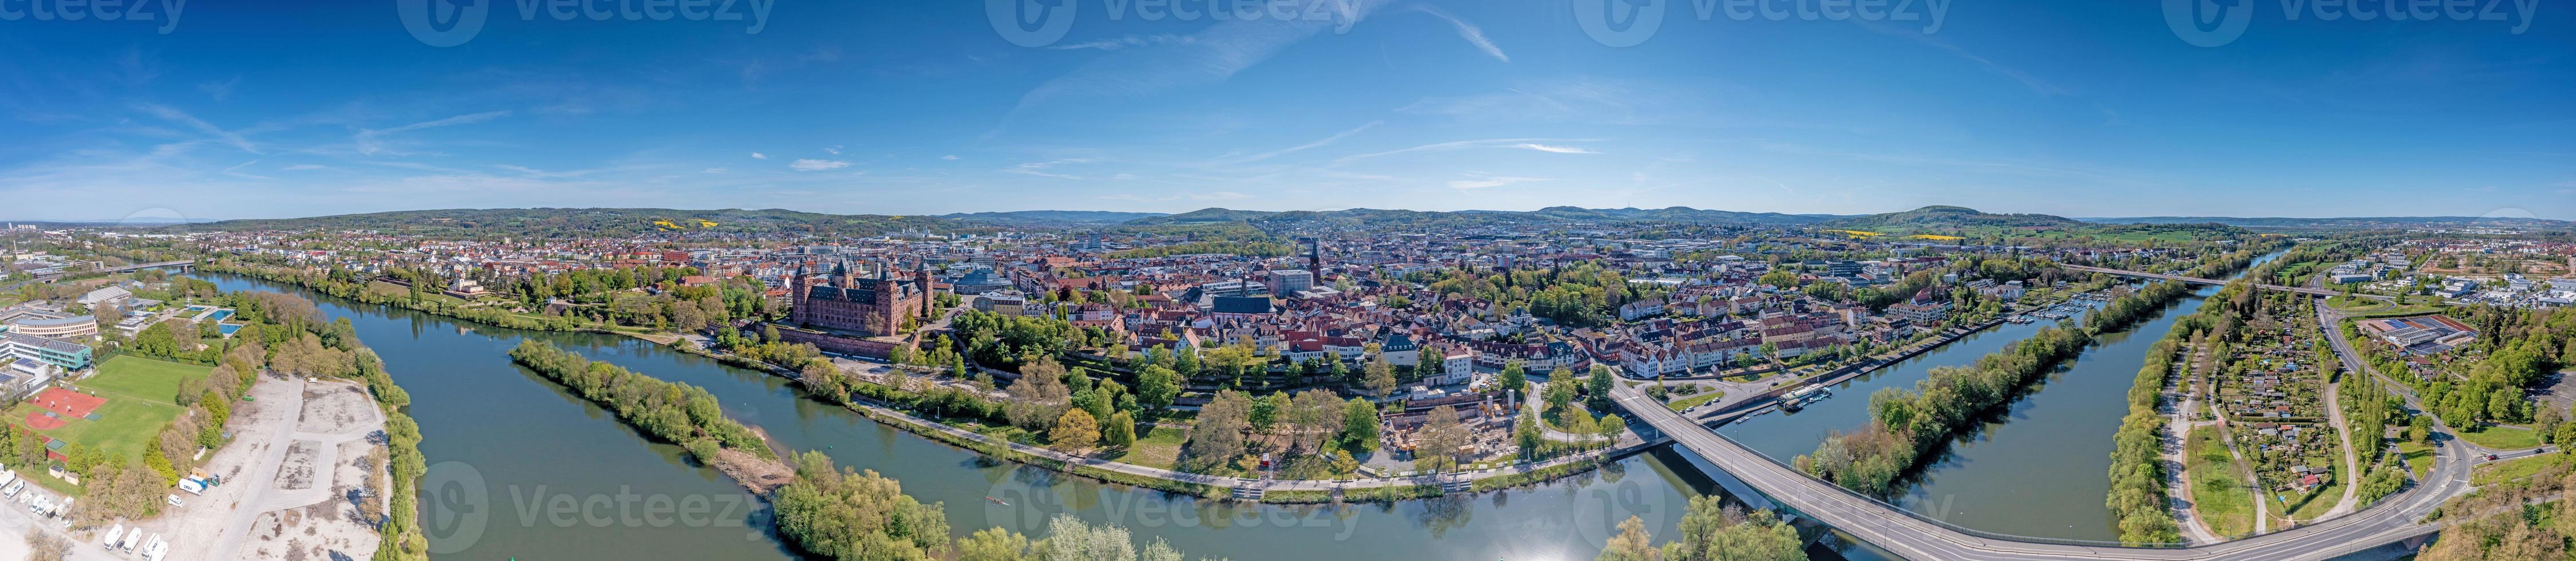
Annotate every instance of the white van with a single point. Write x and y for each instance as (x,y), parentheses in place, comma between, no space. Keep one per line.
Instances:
(155,551)
(114,533)
(132,538)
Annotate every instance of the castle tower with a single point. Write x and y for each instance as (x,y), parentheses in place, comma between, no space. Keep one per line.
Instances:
(796,295)
(886,311)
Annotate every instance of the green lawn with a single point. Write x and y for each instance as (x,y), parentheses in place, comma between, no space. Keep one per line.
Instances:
(2419,458)
(2217,489)
(2503,437)
(2508,470)
(391,289)
(1158,447)
(142,378)
(1694,400)
(139,393)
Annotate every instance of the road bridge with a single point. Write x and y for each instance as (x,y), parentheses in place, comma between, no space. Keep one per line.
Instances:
(2318,292)
(1916,536)
(50,279)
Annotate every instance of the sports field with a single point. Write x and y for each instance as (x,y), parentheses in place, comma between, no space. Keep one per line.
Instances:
(138,393)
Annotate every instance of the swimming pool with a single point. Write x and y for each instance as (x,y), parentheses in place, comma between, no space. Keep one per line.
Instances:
(228,328)
(220,315)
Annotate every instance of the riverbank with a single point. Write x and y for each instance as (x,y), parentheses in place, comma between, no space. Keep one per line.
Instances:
(1301,491)
(522,433)
(487,316)
(1916,429)
(762,475)
(673,412)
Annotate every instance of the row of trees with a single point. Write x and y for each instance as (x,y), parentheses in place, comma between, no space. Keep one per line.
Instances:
(843,514)
(671,411)
(667,306)
(1584,294)
(2137,496)
(1711,531)
(1312,433)
(1905,425)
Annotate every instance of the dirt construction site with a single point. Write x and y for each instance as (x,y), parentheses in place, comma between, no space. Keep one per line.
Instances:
(299,479)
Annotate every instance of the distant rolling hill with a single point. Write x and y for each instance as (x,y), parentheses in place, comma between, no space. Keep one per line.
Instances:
(1387,218)
(1948,217)
(1202,216)
(567,222)
(2357,223)
(1053,216)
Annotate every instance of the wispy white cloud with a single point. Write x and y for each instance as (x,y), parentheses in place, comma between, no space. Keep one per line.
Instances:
(1556,149)
(303,167)
(1210,56)
(167,113)
(759,156)
(1492,181)
(948,157)
(236,171)
(809,164)
(1519,143)
(371,141)
(2036,85)
(1467,31)
(1039,168)
(713,170)
(219,89)
(1189,196)
(1578,99)
(1116,43)
(1336,137)
(835,150)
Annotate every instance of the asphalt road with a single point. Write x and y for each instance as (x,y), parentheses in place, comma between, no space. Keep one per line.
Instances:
(1879,524)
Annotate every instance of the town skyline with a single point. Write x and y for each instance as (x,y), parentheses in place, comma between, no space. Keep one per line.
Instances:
(162,215)
(2095,110)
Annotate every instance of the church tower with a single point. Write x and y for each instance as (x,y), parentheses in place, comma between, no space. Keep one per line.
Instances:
(921,278)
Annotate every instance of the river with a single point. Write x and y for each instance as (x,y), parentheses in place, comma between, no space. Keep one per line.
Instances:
(2038,467)
(523,469)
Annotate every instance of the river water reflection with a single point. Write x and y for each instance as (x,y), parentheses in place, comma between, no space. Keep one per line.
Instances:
(523,469)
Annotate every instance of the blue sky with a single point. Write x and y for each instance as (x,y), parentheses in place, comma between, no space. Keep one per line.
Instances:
(917,107)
